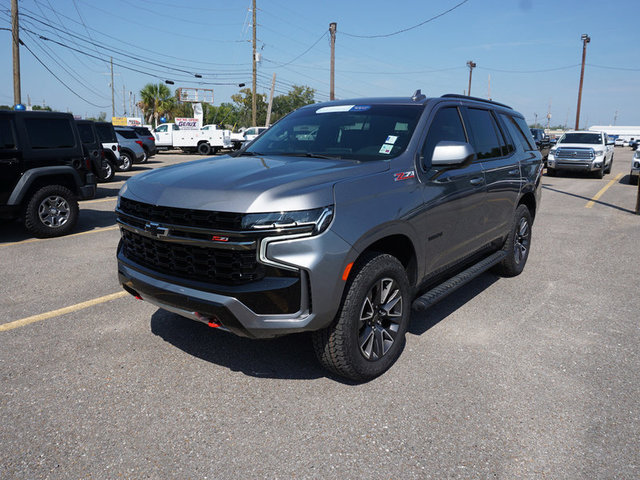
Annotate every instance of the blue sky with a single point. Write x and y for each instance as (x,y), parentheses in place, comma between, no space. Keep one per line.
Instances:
(528,51)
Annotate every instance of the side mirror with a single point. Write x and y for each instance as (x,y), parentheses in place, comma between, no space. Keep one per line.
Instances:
(452,153)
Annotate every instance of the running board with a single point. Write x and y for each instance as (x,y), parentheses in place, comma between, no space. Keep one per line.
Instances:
(438,293)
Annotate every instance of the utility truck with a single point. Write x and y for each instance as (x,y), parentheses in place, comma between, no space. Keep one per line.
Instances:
(204,142)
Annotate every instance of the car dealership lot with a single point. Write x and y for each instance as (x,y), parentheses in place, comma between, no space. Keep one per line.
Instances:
(534,376)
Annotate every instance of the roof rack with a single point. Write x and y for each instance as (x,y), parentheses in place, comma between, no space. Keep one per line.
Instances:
(477,99)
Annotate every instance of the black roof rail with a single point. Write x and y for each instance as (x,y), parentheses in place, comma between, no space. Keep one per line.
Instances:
(476,99)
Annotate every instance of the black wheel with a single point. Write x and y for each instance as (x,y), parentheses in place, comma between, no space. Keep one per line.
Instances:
(551,172)
(204,148)
(146,156)
(368,333)
(51,212)
(517,244)
(108,172)
(127,161)
(608,170)
(600,173)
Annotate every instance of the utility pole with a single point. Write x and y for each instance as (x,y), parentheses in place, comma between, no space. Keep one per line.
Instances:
(535,120)
(489,88)
(333,26)
(615,118)
(549,116)
(113,101)
(273,87)
(585,39)
(131,105)
(17,97)
(471,65)
(255,69)
(124,105)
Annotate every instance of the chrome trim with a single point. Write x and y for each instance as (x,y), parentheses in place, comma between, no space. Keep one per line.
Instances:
(264,243)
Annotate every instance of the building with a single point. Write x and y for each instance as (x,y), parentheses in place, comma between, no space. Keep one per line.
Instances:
(618,131)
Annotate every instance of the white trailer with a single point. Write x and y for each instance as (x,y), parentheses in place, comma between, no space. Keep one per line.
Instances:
(204,142)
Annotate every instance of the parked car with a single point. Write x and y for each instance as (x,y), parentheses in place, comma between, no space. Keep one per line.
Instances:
(621,142)
(336,232)
(204,142)
(92,148)
(542,142)
(633,143)
(252,132)
(584,151)
(635,168)
(43,171)
(148,141)
(107,136)
(130,145)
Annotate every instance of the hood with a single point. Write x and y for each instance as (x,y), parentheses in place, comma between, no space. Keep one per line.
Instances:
(247,184)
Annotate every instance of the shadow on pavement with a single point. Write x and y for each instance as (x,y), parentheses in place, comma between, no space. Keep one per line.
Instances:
(289,357)
(599,202)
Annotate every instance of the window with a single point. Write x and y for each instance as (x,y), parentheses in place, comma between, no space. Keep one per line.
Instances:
(130,134)
(446,126)
(46,133)
(105,133)
(7,137)
(162,128)
(589,138)
(86,133)
(524,129)
(484,133)
(516,133)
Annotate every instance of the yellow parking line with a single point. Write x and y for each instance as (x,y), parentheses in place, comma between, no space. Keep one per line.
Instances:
(33,240)
(61,311)
(98,200)
(595,198)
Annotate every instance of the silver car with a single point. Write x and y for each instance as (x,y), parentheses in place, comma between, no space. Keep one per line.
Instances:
(130,146)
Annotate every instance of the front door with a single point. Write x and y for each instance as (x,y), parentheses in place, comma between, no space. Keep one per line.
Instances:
(10,158)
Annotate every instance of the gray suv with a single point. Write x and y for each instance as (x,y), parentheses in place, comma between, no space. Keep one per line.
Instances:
(337,220)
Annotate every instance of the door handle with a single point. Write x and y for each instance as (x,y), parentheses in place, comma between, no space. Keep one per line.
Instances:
(8,161)
(513,173)
(476,181)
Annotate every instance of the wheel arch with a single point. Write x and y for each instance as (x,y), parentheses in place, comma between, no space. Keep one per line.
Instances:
(37,178)
(529,200)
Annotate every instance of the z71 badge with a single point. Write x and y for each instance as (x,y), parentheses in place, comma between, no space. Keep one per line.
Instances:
(404,175)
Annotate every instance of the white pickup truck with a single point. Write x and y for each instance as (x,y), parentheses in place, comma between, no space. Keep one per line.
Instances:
(204,142)
(584,151)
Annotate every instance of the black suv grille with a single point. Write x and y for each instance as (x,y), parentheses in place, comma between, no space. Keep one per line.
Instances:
(183,216)
(203,264)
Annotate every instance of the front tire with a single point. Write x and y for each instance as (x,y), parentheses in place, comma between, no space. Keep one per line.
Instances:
(51,211)
(368,333)
(517,245)
(551,172)
(127,162)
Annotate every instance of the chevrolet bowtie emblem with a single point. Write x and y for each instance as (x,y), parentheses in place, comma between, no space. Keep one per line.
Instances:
(155,229)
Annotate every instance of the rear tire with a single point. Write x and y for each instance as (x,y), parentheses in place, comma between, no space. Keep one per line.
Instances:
(368,333)
(146,156)
(127,162)
(108,172)
(517,245)
(204,148)
(51,211)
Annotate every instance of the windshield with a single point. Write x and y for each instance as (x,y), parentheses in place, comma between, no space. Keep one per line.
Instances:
(106,133)
(589,138)
(355,132)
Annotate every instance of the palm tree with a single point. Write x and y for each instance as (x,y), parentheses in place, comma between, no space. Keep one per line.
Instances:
(156,100)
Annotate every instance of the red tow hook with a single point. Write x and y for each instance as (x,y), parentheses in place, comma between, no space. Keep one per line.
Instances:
(212,322)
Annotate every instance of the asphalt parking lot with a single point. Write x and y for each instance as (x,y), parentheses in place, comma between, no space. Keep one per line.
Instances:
(530,377)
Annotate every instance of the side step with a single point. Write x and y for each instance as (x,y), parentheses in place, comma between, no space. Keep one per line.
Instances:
(438,293)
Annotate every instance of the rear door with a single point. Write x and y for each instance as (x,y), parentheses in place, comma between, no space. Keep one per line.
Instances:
(453,196)
(501,171)
(10,157)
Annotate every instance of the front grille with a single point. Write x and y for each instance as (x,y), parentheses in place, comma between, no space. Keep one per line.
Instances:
(182,216)
(192,262)
(574,154)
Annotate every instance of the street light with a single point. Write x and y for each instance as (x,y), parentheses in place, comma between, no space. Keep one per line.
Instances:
(585,39)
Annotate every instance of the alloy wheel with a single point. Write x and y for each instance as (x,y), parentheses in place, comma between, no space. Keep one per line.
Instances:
(54,211)
(380,317)
(522,240)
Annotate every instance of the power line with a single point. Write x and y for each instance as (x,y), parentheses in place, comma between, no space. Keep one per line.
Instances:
(614,68)
(384,35)
(566,67)
(58,78)
(303,53)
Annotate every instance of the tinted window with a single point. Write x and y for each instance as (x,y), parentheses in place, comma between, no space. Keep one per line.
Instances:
(130,134)
(50,133)
(590,138)
(522,126)
(142,131)
(355,132)
(7,137)
(86,133)
(446,126)
(516,133)
(105,133)
(484,133)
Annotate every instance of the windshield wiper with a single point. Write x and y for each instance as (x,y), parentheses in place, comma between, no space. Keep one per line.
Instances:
(306,154)
(248,154)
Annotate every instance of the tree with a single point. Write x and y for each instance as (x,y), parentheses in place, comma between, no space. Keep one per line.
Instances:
(156,101)
(243,105)
(100,118)
(46,108)
(298,96)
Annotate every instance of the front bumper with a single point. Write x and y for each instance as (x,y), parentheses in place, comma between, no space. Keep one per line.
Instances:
(574,166)
(320,260)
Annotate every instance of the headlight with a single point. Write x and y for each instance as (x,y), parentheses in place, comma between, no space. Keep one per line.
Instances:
(598,152)
(316,220)
(552,151)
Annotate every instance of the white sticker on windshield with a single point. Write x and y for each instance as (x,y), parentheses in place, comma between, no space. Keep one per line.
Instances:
(391,139)
(386,149)
(335,108)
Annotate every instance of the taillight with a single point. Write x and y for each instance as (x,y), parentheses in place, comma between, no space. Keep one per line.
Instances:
(151,138)
(139,142)
(87,162)
(118,147)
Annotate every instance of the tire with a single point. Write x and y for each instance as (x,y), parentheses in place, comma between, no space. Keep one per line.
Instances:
(204,148)
(146,156)
(517,245)
(551,172)
(600,173)
(608,170)
(365,338)
(107,173)
(127,162)
(51,211)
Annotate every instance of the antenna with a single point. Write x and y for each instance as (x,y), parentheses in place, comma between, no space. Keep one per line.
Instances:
(418,95)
